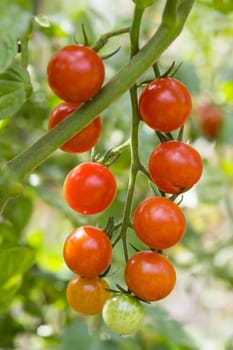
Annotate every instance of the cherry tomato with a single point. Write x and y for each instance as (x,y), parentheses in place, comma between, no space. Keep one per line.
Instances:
(159,222)
(123,314)
(87,251)
(165,104)
(89,188)
(87,295)
(175,166)
(149,275)
(210,119)
(75,73)
(85,139)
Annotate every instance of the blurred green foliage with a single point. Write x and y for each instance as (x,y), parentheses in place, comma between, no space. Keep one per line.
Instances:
(33,310)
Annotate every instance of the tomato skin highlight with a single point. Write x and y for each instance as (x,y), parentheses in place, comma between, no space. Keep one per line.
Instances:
(175,166)
(159,223)
(165,104)
(89,188)
(149,275)
(123,314)
(75,73)
(87,295)
(87,251)
(84,139)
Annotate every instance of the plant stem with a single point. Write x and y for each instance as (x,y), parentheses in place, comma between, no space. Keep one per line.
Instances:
(104,38)
(134,166)
(32,157)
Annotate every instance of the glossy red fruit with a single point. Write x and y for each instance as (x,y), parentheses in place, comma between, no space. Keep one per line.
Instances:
(165,104)
(89,188)
(87,251)
(75,73)
(159,222)
(175,166)
(83,140)
(149,275)
(87,295)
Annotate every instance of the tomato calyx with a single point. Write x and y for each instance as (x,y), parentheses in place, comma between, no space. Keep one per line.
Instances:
(111,54)
(111,155)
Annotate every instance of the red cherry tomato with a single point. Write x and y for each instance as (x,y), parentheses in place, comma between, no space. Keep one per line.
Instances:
(89,188)
(85,139)
(210,119)
(159,222)
(75,73)
(87,251)
(175,166)
(149,275)
(87,295)
(165,104)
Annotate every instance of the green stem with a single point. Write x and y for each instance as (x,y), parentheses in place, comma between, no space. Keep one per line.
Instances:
(104,38)
(134,167)
(32,157)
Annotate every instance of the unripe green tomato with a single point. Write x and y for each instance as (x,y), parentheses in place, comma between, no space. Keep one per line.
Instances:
(123,314)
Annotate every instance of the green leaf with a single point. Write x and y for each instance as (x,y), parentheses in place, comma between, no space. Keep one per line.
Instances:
(14,261)
(8,50)
(15,24)
(15,87)
(14,20)
(18,212)
(7,292)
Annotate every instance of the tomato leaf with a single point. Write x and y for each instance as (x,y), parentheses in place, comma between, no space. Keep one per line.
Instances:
(15,19)
(8,50)
(15,87)
(14,261)
(18,23)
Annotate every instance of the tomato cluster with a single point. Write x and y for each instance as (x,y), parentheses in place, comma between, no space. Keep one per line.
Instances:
(174,167)
(88,253)
(75,74)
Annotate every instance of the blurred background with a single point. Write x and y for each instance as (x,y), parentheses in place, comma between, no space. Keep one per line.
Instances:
(34,314)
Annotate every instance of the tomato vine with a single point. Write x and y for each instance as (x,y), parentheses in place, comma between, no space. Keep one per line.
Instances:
(90,187)
(173,20)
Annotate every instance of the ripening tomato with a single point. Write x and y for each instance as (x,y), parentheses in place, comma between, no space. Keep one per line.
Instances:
(75,73)
(89,188)
(165,104)
(210,119)
(87,295)
(87,251)
(123,314)
(175,166)
(84,139)
(159,222)
(149,275)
